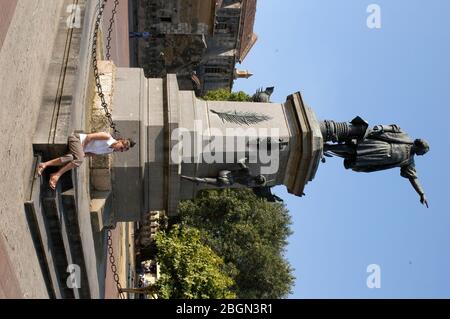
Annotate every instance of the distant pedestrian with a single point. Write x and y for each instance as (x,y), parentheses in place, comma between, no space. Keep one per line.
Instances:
(140,35)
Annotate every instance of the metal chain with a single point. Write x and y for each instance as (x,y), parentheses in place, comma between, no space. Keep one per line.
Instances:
(101,8)
(110,29)
(98,84)
(112,261)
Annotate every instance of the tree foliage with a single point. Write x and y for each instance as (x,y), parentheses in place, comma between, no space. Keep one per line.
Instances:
(190,270)
(227,95)
(250,234)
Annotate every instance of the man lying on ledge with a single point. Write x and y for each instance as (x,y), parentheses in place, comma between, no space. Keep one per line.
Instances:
(82,145)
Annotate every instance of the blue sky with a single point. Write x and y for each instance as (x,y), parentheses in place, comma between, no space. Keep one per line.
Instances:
(397,74)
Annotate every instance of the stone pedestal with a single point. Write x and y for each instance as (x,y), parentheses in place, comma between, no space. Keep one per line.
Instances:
(178,134)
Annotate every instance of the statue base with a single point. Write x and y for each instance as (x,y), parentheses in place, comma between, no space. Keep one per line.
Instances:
(178,134)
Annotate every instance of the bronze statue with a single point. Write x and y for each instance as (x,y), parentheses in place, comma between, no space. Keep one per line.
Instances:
(263,96)
(265,192)
(379,148)
(227,178)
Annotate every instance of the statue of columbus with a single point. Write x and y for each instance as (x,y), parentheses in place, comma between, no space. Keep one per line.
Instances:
(368,150)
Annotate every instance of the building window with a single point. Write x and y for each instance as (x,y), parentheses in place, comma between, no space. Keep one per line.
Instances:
(221,26)
(166,19)
(214,70)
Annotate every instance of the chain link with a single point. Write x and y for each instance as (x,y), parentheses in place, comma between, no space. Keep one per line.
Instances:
(98,84)
(110,29)
(112,261)
(101,8)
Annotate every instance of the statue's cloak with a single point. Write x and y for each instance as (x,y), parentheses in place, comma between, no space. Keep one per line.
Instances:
(384,150)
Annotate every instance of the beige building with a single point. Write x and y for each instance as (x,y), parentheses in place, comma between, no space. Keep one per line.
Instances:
(200,41)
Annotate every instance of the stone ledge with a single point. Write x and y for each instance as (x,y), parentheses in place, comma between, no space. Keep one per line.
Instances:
(101,179)
(100,200)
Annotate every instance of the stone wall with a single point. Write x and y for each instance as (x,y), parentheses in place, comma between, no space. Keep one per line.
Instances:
(101,165)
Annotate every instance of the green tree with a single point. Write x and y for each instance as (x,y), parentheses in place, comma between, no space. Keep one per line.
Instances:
(227,95)
(190,270)
(250,234)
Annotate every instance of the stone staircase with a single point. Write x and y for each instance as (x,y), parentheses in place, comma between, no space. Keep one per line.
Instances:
(52,216)
(54,220)
(70,248)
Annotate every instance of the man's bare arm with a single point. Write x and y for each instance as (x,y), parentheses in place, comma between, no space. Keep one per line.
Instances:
(418,188)
(96,136)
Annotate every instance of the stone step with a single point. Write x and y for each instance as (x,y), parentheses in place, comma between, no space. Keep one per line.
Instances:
(71,229)
(100,208)
(56,113)
(42,238)
(53,220)
(60,249)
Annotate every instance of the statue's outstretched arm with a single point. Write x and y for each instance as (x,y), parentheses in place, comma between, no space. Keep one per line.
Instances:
(201,180)
(418,188)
